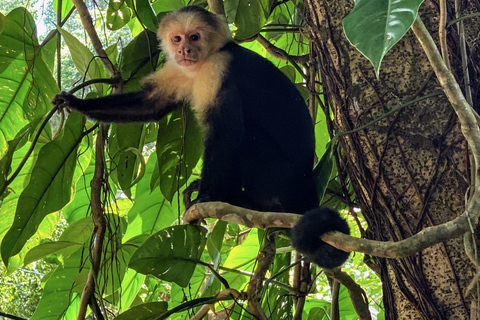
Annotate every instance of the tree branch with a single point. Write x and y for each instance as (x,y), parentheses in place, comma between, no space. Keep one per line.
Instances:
(99,178)
(386,249)
(216,6)
(280,53)
(357,294)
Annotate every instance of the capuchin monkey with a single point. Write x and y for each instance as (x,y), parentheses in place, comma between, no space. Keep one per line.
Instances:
(259,139)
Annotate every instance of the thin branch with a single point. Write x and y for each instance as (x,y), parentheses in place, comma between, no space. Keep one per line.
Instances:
(228,294)
(357,294)
(467,16)
(10,316)
(87,23)
(442,31)
(216,6)
(255,286)
(282,54)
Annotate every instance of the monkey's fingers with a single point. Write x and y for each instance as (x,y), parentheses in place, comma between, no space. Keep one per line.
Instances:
(62,100)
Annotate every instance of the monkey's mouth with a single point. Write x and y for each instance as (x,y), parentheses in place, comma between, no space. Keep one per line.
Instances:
(186,62)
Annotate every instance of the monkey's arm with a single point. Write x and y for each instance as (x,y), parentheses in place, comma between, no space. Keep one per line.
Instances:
(126,107)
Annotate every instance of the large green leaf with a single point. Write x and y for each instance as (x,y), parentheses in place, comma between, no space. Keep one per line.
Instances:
(179,147)
(84,60)
(27,83)
(118,14)
(49,188)
(139,59)
(8,204)
(171,254)
(249,16)
(46,249)
(374,26)
(131,284)
(61,290)
(146,15)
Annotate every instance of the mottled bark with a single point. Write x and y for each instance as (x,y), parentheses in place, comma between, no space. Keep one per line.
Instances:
(409,170)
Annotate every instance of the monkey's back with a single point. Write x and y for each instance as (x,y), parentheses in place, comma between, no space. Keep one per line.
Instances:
(279,138)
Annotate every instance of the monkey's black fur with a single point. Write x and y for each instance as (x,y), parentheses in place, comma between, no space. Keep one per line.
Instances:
(259,145)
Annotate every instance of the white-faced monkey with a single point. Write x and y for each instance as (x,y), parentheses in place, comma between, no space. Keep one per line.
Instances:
(259,144)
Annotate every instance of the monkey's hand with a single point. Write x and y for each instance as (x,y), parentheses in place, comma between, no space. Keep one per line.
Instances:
(64,100)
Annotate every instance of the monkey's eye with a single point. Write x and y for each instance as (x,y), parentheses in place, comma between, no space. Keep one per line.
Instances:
(177,39)
(195,37)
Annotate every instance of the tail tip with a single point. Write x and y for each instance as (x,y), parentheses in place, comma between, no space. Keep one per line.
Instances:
(305,236)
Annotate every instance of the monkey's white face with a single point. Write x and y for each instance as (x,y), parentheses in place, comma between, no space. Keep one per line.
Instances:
(188,48)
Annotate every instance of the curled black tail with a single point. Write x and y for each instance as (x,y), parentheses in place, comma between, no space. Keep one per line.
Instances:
(306,234)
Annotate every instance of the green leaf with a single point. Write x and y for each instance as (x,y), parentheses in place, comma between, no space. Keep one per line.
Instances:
(49,188)
(171,254)
(27,83)
(84,60)
(141,51)
(78,208)
(2,22)
(166,6)
(79,231)
(249,16)
(60,290)
(118,14)
(145,311)
(67,5)
(146,15)
(44,231)
(323,170)
(129,138)
(9,201)
(215,239)
(131,285)
(179,148)
(374,26)
(151,212)
(49,248)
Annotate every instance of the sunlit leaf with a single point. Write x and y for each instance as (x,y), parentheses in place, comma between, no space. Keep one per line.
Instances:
(27,84)
(57,294)
(49,188)
(171,254)
(151,212)
(131,284)
(118,14)
(248,16)
(67,5)
(48,248)
(374,26)
(84,60)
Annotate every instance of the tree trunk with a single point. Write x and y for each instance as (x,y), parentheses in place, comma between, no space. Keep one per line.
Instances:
(409,170)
